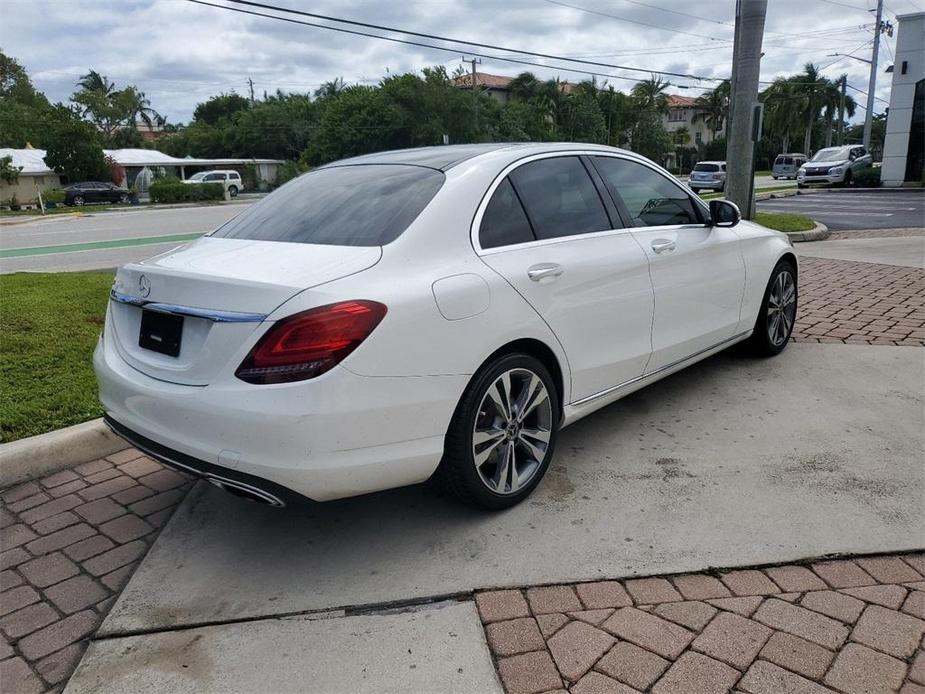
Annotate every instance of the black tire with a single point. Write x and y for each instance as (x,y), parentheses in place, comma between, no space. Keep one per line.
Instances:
(123,198)
(458,472)
(233,191)
(801,186)
(77,200)
(765,341)
(846,183)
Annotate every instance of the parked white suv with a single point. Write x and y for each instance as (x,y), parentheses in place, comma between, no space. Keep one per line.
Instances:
(708,174)
(231,180)
(834,165)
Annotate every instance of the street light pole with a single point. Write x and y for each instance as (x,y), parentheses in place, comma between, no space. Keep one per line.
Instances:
(872,83)
(841,111)
(740,150)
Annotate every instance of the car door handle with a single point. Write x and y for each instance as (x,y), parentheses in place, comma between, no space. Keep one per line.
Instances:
(544,271)
(660,245)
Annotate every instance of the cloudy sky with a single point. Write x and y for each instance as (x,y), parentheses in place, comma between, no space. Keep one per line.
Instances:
(180,53)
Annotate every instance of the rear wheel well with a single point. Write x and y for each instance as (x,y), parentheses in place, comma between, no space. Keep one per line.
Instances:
(540,351)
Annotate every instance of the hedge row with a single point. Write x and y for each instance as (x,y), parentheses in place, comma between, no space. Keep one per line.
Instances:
(170,191)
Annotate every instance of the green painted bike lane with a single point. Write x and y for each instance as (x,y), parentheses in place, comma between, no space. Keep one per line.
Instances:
(95,245)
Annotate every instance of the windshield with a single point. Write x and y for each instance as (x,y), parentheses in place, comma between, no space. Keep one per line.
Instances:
(831,154)
(197,177)
(706,167)
(360,205)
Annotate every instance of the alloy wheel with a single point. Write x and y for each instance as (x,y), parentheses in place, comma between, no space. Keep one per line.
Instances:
(512,431)
(782,308)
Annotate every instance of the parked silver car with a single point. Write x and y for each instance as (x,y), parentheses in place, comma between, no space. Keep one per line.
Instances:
(787,165)
(708,174)
(834,166)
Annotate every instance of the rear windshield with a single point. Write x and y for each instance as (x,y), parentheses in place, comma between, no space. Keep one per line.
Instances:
(369,205)
(706,167)
(784,160)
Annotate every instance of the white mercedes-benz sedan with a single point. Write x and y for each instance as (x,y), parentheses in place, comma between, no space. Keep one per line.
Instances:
(444,310)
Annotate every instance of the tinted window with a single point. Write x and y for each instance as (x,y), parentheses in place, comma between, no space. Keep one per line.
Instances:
(559,197)
(504,221)
(650,198)
(706,167)
(215,177)
(342,206)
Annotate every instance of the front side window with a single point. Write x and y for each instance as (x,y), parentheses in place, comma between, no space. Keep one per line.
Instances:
(560,198)
(361,205)
(504,222)
(650,198)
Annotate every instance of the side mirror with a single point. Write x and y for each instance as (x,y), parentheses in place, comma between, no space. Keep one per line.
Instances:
(724,213)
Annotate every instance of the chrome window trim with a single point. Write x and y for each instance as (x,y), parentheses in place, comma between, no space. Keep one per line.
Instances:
(486,198)
(191,311)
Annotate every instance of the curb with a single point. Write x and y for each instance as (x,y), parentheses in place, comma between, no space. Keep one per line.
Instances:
(817,233)
(37,456)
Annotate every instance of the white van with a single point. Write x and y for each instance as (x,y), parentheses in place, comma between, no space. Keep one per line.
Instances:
(787,165)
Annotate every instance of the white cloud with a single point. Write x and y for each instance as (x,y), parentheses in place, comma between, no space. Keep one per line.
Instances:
(180,53)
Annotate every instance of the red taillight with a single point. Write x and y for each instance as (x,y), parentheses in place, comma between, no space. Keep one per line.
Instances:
(310,343)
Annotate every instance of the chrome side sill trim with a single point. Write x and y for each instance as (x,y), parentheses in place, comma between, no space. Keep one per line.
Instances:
(206,313)
(608,391)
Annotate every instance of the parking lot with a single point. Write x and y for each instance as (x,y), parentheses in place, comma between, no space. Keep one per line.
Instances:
(841,211)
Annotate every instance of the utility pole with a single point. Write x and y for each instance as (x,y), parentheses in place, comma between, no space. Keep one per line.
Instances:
(746,66)
(250,84)
(872,84)
(841,111)
(475,89)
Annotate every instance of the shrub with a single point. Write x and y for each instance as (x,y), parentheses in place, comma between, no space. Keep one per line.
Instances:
(867,178)
(167,192)
(55,195)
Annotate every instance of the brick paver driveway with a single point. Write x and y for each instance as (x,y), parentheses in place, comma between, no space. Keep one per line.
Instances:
(847,626)
(70,542)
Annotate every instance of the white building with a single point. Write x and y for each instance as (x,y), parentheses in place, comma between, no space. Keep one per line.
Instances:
(34,176)
(904,149)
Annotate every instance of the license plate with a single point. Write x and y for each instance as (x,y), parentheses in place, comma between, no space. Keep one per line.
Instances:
(161,332)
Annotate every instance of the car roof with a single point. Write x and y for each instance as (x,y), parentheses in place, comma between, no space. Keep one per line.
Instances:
(711,161)
(445,157)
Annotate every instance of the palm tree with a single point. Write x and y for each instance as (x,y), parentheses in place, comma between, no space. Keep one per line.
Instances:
(332,88)
(782,117)
(714,107)
(650,94)
(810,87)
(831,99)
(95,82)
(140,108)
(525,86)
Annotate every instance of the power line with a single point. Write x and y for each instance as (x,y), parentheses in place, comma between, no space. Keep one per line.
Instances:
(456,50)
(634,21)
(477,44)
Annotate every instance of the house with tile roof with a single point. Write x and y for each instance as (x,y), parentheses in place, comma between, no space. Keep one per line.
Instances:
(684,113)
(496,86)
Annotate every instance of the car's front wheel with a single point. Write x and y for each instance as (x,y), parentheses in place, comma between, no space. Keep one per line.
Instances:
(503,433)
(77,200)
(778,311)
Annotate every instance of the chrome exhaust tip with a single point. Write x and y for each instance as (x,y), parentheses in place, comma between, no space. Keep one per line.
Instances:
(246,491)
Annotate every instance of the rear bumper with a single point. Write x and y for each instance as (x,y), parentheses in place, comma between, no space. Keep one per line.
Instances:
(335,436)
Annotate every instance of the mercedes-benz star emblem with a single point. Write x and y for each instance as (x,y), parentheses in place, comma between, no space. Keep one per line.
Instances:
(144,286)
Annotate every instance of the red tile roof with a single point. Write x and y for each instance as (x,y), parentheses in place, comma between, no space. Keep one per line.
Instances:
(484,79)
(677,101)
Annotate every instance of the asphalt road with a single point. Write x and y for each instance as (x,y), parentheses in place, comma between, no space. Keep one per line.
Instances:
(861,210)
(104,239)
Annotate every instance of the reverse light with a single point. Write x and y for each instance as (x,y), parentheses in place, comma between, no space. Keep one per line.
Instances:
(310,343)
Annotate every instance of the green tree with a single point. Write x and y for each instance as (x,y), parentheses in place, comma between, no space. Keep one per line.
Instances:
(74,147)
(648,137)
(831,103)
(650,94)
(782,116)
(810,86)
(714,107)
(24,112)
(223,107)
(358,120)
(111,110)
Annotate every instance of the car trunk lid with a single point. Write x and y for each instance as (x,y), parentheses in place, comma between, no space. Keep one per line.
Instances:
(210,296)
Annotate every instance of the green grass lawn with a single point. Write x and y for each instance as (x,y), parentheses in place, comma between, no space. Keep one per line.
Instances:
(783,221)
(49,325)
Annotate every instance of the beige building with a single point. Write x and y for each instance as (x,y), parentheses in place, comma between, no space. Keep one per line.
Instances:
(34,176)
(683,113)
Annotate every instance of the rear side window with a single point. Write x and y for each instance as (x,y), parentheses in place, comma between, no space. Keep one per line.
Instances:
(650,198)
(367,205)
(504,222)
(560,198)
